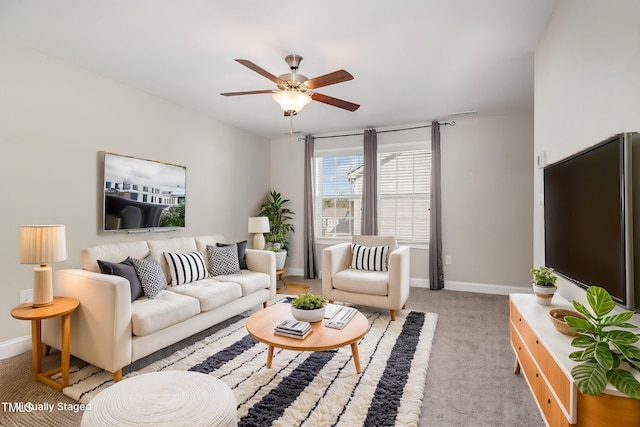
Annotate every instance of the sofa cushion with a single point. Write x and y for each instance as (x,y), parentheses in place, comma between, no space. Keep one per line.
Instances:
(157,248)
(369,258)
(223,260)
(203,241)
(124,269)
(250,281)
(209,292)
(186,267)
(166,309)
(242,249)
(362,281)
(114,252)
(150,274)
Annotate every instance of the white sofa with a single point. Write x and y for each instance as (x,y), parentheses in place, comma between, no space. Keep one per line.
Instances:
(110,331)
(384,289)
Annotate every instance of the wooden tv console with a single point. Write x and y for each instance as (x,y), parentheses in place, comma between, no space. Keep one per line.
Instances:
(542,354)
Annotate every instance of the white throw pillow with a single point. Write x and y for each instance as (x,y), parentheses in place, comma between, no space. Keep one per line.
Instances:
(186,268)
(369,258)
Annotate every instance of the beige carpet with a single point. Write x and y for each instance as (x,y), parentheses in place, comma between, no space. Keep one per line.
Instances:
(470,380)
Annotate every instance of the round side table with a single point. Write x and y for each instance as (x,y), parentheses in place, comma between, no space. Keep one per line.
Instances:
(61,307)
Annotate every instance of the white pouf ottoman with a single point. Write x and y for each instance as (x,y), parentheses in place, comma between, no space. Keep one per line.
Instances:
(168,398)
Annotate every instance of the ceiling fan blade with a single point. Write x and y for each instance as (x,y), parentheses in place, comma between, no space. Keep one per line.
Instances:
(329,79)
(340,103)
(260,71)
(249,92)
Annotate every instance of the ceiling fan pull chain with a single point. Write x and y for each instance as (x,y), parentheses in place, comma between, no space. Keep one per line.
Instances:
(291,127)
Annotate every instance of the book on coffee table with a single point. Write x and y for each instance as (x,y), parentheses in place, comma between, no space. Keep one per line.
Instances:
(293,328)
(341,317)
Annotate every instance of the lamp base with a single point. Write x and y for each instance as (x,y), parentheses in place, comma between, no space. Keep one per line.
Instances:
(258,241)
(42,286)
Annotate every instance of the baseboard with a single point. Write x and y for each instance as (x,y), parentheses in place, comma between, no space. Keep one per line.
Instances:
(15,347)
(294,272)
(482,288)
(486,288)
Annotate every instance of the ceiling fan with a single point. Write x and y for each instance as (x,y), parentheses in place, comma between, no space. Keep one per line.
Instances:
(295,90)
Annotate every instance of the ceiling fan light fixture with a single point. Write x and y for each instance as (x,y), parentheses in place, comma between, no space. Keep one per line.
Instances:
(291,100)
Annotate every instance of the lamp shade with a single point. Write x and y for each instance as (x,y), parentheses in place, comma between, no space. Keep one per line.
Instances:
(42,244)
(258,224)
(291,100)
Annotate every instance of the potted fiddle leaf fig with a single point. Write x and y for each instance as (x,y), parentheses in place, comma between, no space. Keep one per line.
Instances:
(603,351)
(544,284)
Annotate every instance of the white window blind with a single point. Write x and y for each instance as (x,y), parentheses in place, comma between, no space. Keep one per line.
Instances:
(404,194)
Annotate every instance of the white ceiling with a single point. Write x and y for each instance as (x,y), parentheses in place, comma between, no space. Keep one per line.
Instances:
(413,60)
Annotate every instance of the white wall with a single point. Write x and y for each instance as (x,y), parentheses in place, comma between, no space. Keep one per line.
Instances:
(55,117)
(487,192)
(586,86)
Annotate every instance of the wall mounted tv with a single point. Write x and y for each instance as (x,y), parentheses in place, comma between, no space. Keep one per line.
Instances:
(142,195)
(588,218)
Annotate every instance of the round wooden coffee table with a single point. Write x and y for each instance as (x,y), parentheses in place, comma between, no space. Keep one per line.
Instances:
(261,325)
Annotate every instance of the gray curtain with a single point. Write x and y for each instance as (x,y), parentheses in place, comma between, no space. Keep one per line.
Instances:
(370,184)
(436,272)
(310,264)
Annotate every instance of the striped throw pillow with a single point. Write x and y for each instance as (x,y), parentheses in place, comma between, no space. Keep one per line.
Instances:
(369,258)
(186,268)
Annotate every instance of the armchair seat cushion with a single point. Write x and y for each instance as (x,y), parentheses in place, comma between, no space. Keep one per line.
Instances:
(249,281)
(209,292)
(362,282)
(166,309)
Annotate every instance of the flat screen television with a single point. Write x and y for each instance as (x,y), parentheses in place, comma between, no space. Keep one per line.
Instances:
(142,195)
(588,221)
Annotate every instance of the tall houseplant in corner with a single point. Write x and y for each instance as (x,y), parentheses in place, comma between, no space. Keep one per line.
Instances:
(280,217)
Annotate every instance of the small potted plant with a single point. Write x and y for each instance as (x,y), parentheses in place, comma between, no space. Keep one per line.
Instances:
(308,308)
(605,356)
(544,284)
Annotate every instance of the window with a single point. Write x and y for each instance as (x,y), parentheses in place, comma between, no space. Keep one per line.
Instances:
(404,173)
(338,195)
(403,194)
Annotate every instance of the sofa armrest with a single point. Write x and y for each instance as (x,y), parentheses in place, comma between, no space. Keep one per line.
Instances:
(263,262)
(399,276)
(101,325)
(334,259)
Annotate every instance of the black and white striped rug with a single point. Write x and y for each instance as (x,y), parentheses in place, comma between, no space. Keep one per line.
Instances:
(310,388)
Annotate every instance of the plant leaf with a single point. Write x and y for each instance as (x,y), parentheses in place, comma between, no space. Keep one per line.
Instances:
(582,341)
(625,382)
(581,356)
(590,378)
(635,364)
(582,309)
(579,325)
(628,351)
(600,301)
(603,356)
(621,337)
(618,320)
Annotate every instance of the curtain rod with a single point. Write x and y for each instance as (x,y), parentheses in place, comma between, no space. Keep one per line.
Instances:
(451,123)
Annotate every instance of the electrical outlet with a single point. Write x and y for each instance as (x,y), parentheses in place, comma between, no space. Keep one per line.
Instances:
(26,295)
(447,259)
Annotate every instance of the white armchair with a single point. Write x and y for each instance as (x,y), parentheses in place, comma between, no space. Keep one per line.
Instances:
(384,289)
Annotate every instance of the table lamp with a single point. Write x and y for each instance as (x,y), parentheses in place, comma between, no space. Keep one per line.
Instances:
(258,225)
(42,244)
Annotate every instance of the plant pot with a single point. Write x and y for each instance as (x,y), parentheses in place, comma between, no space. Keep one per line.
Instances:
(308,315)
(281,257)
(544,294)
